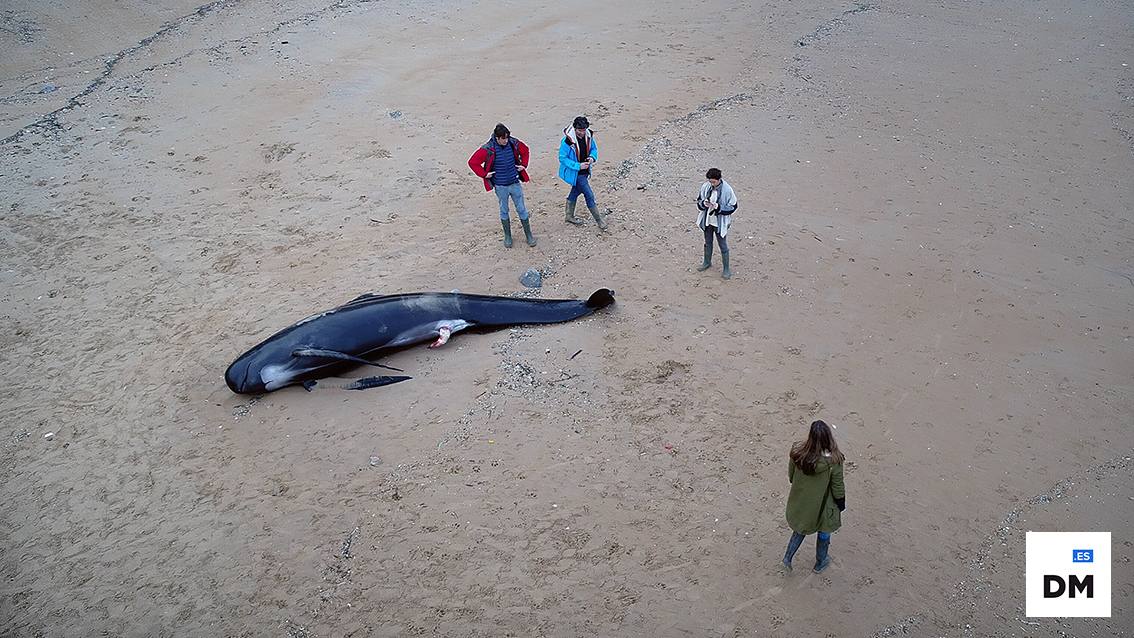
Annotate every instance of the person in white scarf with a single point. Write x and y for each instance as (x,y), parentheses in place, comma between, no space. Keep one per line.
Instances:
(716,203)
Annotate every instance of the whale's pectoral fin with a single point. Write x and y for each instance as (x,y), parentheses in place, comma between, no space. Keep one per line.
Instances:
(309,384)
(374,382)
(320,353)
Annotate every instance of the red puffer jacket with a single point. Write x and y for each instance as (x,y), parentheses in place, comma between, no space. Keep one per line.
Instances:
(482,160)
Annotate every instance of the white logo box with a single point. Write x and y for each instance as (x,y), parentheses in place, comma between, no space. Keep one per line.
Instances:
(1053,554)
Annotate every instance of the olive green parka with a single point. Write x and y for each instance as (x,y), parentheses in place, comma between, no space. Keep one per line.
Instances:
(811,503)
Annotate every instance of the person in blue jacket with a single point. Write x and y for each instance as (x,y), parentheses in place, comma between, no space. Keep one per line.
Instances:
(577,155)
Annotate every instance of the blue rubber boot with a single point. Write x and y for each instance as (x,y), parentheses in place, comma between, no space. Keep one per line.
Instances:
(792,547)
(822,560)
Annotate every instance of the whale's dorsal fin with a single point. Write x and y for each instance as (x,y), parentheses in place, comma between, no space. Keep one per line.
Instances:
(320,353)
(363,297)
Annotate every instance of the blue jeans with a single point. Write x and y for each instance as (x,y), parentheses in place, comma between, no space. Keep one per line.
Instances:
(517,194)
(796,540)
(582,187)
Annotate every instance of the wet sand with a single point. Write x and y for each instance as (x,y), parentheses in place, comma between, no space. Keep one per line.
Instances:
(933,251)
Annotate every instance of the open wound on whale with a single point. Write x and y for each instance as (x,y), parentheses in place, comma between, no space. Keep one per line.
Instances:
(445,329)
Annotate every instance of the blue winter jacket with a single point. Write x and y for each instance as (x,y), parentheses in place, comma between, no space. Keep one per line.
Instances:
(569,162)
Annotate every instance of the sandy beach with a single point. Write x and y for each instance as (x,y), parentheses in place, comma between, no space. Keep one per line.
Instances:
(933,252)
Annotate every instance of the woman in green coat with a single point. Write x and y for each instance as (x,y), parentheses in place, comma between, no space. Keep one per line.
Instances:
(817,496)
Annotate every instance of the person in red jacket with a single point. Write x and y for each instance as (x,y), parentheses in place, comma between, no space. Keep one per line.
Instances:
(502,163)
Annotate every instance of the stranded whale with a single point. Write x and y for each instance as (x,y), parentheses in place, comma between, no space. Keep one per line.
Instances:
(371,325)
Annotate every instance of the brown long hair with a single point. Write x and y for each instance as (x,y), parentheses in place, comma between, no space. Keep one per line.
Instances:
(820,440)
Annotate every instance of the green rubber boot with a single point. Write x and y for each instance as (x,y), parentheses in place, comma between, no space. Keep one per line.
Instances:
(528,232)
(598,217)
(507,224)
(708,259)
(569,217)
(727,274)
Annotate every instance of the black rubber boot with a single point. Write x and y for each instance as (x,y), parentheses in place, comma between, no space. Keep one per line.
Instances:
(708,259)
(569,217)
(598,217)
(726,273)
(528,232)
(507,224)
